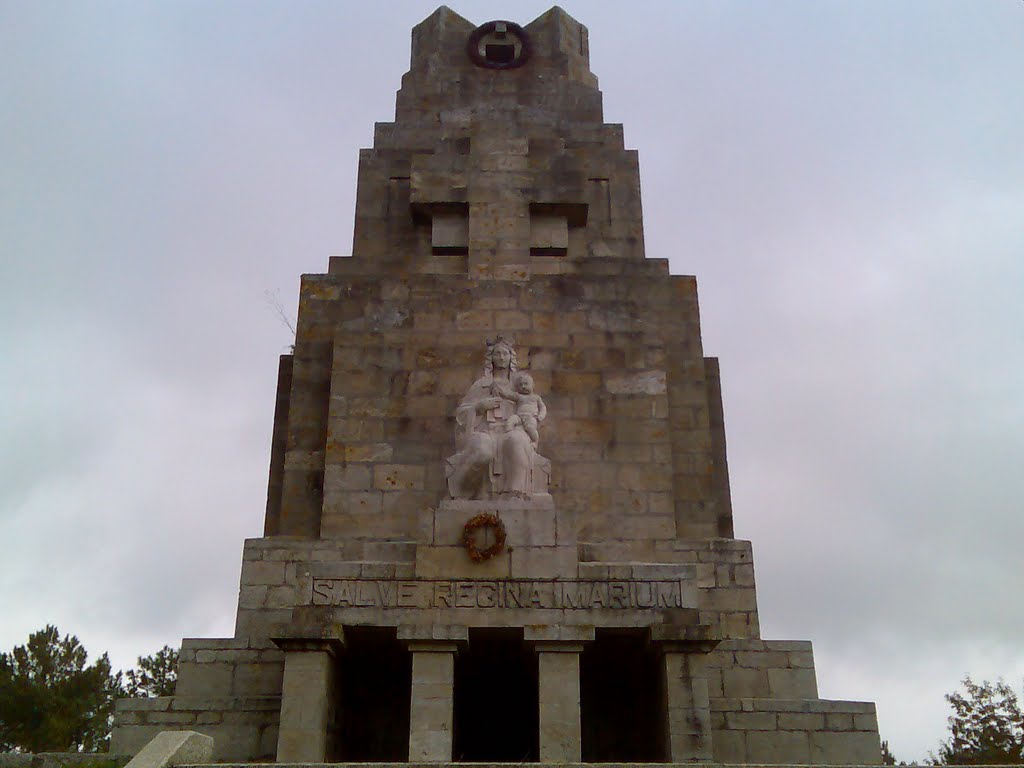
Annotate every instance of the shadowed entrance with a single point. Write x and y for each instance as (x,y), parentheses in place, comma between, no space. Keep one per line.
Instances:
(496,715)
(619,699)
(376,675)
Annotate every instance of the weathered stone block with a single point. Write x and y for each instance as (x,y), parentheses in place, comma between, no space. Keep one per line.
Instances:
(793,683)
(798,721)
(449,231)
(262,572)
(347,477)
(543,562)
(778,747)
(454,562)
(258,679)
(204,680)
(171,748)
(751,721)
(851,748)
(865,722)
(368,452)
(745,683)
(730,746)
(398,477)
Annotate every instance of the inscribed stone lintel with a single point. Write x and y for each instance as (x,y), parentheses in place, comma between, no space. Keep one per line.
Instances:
(558,594)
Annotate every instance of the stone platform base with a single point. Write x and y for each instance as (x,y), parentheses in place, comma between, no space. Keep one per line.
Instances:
(563,765)
(62,760)
(241,727)
(776,731)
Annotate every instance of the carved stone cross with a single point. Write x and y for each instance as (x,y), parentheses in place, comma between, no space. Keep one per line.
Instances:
(501,203)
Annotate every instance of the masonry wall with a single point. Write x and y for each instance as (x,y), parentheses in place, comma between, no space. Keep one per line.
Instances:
(243,729)
(381,364)
(62,760)
(277,578)
(499,202)
(794,732)
(229,689)
(763,669)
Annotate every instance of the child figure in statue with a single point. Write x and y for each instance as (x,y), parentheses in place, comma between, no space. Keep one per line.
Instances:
(530,408)
(495,458)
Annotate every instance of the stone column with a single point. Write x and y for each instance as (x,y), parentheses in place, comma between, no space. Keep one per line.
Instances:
(558,674)
(685,705)
(432,710)
(307,700)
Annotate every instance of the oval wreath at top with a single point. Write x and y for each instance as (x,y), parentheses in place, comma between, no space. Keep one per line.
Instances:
(499,45)
(483,520)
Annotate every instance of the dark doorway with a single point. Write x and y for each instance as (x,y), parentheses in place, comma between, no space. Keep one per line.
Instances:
(619,692)
(375,687)
(496,700)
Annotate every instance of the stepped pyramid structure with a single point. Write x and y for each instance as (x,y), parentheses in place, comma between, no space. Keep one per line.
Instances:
(498,525)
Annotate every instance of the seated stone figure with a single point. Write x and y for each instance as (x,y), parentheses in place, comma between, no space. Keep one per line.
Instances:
(494,457)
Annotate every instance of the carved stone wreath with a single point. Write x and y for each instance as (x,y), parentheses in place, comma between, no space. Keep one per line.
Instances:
(499,45)
(483,520)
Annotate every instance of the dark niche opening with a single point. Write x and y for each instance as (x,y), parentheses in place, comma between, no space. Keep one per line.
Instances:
(496,699)
(500,53)
(375,687)
(619,693)
(498,45)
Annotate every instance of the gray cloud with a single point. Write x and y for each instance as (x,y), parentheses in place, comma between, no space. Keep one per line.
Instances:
(843,179)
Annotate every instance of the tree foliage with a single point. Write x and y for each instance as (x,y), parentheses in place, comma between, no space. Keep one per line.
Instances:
(156,675)
(887,756)
(986,727)
(51,700)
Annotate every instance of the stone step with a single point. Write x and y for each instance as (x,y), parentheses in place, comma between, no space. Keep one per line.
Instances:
(538,765)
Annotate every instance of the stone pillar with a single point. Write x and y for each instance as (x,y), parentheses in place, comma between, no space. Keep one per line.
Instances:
(685,705)
(432,710)
(307,700)
(558,669)
(558,674)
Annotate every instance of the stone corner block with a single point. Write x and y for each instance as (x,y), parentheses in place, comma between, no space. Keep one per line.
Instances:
(170,748)
(429,633)
(157,704)
(330,645)
(683,637)
(554,633)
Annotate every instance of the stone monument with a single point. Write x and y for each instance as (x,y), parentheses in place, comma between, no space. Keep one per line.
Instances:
(498,525)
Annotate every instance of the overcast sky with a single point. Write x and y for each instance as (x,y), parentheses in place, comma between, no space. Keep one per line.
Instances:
(845,179)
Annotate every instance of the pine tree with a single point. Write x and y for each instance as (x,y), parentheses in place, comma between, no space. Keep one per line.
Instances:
(986,727)
(156,675)
(887,757)
(51,700)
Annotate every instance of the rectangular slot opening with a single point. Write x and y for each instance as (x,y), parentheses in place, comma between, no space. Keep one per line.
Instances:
(375,687)
(500,53)
(496,699)
(619,699)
